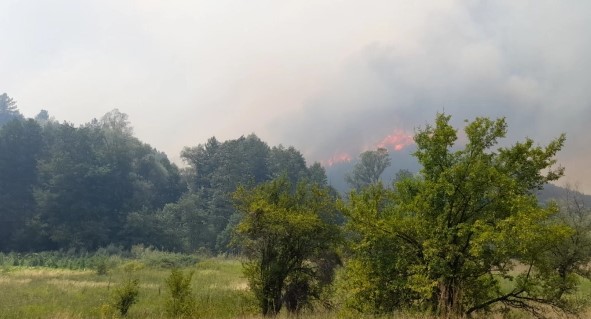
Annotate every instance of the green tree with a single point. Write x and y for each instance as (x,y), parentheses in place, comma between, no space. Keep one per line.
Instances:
(181,302)
(126,295)
(8,109)
(98,184)
(444,240)
(368,170)
(290,239)
(78,196)
(287,161)
(317,174)
(20,147)
(567,260)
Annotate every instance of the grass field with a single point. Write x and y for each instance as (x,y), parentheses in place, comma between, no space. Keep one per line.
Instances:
(42,292)
(218,287)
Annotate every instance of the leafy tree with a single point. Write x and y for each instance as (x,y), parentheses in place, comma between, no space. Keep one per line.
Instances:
(8,109)
(369,168)
(568,259)
(42,116)
(287,161)
(20,147)
(202,161)
(216,169)
(317,174)
(445,240)
(97,180)
(78,195)
(126,295)
(289,238)
(189,218)
(181,302)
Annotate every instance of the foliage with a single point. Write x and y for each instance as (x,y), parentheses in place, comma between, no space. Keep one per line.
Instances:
(289,237)
(369,168)
(181,302)
(8,109)
(155,258)
(216,169)
(126,295)
(443,241)
(219,290)
(103,260)
(568,260)
(20,148)
(64,186)
(102,269)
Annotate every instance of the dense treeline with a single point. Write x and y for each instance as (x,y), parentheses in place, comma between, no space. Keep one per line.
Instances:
(64,186)
(464,236)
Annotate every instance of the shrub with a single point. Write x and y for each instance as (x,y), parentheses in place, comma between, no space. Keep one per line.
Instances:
(126,295)
(133,266)
(181,301)
(101,268)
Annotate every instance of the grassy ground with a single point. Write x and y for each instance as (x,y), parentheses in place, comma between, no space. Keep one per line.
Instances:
(40,292)
(219,289)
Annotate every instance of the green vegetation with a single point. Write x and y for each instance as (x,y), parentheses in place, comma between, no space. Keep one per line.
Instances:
(442,241)
(368,170)
(181,302)
(290,239)
(82,209)
(218,286)
(219,291)
(85,187)
(126,295)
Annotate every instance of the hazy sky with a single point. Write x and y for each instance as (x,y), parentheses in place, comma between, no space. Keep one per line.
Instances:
(330,77)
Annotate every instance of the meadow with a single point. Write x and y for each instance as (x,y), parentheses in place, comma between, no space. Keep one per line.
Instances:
(67,285)
(64,288)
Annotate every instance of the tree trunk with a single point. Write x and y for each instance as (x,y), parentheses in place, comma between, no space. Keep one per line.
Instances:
(450,299)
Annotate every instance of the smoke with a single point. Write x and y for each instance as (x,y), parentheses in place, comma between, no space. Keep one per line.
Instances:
(333,78)
(526,61)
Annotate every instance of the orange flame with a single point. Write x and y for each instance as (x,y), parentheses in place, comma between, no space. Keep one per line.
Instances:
(397,140)
(338,158)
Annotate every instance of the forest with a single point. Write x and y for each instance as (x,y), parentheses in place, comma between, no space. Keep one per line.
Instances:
(86,187)
(465,236)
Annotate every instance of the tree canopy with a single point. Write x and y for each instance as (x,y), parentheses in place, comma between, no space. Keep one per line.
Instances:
(445,240)
(8,109)
(290,238)
(368,170)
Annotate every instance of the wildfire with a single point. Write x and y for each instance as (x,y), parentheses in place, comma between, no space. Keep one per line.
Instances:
(338,158)
(396,141)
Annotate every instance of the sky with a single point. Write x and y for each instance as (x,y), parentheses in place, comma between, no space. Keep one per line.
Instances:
(329,77)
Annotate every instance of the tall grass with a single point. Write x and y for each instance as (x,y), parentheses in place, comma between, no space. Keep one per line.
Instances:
(67,285)
(33,287)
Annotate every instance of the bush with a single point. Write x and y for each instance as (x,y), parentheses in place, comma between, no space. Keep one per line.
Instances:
(154,258)
(133,266)
(101,268)
(181,301)
(126,295)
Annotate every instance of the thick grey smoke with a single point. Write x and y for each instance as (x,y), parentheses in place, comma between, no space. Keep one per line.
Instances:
(527,62)
(328,77)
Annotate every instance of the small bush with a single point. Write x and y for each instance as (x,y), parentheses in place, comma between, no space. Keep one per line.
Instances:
(155,258)
(101,268)
(181,301)
(133,266)
(126,295)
